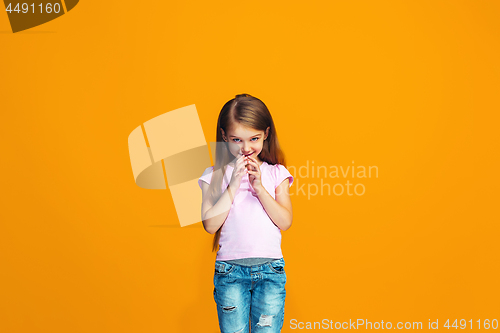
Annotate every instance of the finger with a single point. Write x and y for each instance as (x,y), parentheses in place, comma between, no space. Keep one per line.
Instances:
(251,162)
(254,164)
(236,160)
(241,161)
(253,158)
(242,166)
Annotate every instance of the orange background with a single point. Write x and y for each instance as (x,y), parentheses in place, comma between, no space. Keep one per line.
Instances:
(411,87)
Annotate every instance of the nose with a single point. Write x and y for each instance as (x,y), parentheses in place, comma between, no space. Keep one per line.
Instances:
(245,149)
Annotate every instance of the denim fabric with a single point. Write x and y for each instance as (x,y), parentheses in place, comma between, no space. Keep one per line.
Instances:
(250,293)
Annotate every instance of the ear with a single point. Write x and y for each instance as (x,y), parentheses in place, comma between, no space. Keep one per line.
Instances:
(267,132)
(223,134)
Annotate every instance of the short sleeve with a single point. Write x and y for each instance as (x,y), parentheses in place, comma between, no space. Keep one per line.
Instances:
(206,176)
(281,173)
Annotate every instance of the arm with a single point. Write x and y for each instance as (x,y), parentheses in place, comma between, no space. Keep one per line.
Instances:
(213,216)
(279,210)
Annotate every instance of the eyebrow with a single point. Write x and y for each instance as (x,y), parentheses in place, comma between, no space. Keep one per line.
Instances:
(234,136)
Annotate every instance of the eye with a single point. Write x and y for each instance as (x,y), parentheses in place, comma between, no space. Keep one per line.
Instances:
(255,139)
(235,140)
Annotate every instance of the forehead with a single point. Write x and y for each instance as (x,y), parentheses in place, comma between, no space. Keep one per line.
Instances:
(243,131)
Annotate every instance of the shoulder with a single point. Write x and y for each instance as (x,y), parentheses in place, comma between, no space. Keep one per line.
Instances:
(279,173)
(208,170)
(275,168)
(206,176)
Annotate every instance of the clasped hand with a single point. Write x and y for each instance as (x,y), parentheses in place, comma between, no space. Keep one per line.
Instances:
(247,165)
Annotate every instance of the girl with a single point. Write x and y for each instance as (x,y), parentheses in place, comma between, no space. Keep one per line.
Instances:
(246,204)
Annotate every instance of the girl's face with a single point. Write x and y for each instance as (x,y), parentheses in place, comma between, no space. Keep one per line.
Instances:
(245,140)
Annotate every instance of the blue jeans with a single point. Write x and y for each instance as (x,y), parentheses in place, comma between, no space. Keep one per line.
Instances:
(256,294)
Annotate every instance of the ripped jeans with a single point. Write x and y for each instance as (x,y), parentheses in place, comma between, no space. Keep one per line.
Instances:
(256,294)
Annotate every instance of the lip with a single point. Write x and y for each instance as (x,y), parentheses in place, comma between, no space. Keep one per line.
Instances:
(247,154)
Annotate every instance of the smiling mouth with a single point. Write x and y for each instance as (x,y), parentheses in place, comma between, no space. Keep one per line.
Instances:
(248,154)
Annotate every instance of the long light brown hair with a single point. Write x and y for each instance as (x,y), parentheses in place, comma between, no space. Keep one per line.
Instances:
(248,111)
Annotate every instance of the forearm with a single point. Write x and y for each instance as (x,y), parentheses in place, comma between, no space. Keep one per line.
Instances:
(215,216)
(281,216)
